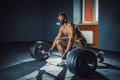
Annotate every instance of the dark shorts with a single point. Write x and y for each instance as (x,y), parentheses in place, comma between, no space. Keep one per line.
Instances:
(76,44)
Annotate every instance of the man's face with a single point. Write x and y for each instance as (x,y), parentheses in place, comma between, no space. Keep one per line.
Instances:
(60,17)
(61,20)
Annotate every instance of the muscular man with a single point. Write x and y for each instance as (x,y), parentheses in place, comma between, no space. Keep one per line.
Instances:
(72,37)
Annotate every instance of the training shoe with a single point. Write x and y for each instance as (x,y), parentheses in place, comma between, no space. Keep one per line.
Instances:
(62,63)
(101,56)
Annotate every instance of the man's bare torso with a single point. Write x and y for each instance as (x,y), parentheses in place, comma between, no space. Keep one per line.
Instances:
(66,30)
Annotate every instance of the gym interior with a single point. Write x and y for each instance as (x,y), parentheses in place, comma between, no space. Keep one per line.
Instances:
(23,22)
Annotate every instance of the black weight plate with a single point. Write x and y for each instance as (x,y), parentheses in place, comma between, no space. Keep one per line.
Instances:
(70,60)
(78,51)
(38,55)
(69,55)
(32,49)
(73,60)
(36,49)
(86,63)
(81,62)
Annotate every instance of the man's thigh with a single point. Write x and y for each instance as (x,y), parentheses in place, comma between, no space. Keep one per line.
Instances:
(79,44)
(64,41)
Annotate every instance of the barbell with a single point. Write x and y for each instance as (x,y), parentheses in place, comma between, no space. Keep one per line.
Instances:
(82,62)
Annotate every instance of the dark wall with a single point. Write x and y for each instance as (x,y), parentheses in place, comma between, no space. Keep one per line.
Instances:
(29,20)
(20,20)
(51,10)
(109,25)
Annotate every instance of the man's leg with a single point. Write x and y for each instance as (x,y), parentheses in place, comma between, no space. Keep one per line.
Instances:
(60,45)
(79,44)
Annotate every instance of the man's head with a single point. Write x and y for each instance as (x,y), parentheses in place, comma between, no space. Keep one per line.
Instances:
(62,16)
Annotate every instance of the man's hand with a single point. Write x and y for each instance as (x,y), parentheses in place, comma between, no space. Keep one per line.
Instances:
(64,56)
(49,52)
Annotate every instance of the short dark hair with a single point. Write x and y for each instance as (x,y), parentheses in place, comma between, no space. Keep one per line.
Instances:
(64,14)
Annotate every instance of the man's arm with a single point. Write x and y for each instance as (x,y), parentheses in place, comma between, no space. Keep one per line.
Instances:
(71,37)
(57,37)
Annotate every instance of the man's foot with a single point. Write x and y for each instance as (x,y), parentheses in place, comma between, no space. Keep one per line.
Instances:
(101,56)
(62,63)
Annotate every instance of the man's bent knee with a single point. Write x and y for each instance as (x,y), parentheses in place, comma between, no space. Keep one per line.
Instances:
(58,41)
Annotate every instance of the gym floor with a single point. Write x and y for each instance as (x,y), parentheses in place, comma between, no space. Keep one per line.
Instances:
(17,64)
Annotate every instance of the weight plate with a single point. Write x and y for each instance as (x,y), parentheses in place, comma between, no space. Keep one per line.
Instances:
(37,50)
(32,49)
(86,63)
(70,60)
(81,62)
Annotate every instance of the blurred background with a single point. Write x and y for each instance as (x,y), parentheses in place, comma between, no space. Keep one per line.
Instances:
(31,20)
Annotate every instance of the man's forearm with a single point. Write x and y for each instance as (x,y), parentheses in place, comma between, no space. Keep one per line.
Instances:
(70,42)
(53,46)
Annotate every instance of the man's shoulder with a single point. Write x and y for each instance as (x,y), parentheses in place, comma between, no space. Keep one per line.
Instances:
(70,24)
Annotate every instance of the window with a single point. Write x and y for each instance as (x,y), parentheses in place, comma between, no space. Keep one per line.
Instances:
(85,15)
(90,11)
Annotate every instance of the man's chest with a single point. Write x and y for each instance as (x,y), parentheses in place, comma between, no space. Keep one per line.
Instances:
(66,31)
